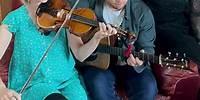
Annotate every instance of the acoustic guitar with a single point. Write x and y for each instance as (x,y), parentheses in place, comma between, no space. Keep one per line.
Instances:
(101,61)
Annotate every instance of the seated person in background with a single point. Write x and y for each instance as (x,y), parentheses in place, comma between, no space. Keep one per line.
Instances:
(173,28)
(56,77)
(139,82)
(195,17)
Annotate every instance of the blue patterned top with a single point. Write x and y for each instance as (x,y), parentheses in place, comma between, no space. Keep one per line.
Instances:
(29,46)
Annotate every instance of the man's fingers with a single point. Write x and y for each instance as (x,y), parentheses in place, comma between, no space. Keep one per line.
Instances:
(139,62)
(131,60)
(134,61)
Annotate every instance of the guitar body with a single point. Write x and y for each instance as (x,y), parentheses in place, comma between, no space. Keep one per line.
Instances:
(102,60)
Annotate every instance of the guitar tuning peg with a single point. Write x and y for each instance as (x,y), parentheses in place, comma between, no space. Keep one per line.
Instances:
(182,67)
(174,65)
(184,55)
(182,59)
(176,54)
(169,53)
(175,59)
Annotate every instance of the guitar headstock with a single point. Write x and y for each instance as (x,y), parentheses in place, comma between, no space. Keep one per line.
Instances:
(174,61)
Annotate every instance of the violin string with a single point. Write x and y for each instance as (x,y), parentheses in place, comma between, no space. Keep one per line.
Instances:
(48,48)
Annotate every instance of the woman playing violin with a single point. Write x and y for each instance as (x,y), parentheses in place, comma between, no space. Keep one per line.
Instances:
(56,77)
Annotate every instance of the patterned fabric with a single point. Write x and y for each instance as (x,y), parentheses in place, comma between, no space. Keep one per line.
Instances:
(195,17)
(55,75)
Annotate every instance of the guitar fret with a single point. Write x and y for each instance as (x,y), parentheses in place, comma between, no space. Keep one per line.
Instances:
(120,52)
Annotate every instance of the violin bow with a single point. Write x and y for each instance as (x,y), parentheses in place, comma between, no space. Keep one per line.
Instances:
(48,48)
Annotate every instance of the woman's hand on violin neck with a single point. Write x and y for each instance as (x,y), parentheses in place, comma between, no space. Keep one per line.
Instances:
(7,94)
(106,30)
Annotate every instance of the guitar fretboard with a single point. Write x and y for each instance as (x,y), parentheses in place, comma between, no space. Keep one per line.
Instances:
(120,52)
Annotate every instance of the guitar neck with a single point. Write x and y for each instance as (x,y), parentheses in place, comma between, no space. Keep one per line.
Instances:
(120,52)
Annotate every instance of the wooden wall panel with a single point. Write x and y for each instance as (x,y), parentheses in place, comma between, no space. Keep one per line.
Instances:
(5,7)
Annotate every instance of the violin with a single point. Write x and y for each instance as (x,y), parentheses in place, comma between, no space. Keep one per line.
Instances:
(51,15)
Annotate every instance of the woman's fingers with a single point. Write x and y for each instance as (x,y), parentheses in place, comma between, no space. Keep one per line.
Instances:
(100,26)
(10,95)
(16,95)
(5,97)
(111,30)
(106,30)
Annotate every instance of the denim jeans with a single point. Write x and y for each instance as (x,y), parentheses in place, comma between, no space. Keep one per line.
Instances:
(101,84)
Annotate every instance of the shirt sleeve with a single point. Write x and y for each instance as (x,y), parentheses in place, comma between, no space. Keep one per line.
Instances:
(146,37)
(11,21)
(147,33)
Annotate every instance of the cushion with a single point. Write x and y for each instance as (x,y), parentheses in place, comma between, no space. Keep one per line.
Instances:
(174,82)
